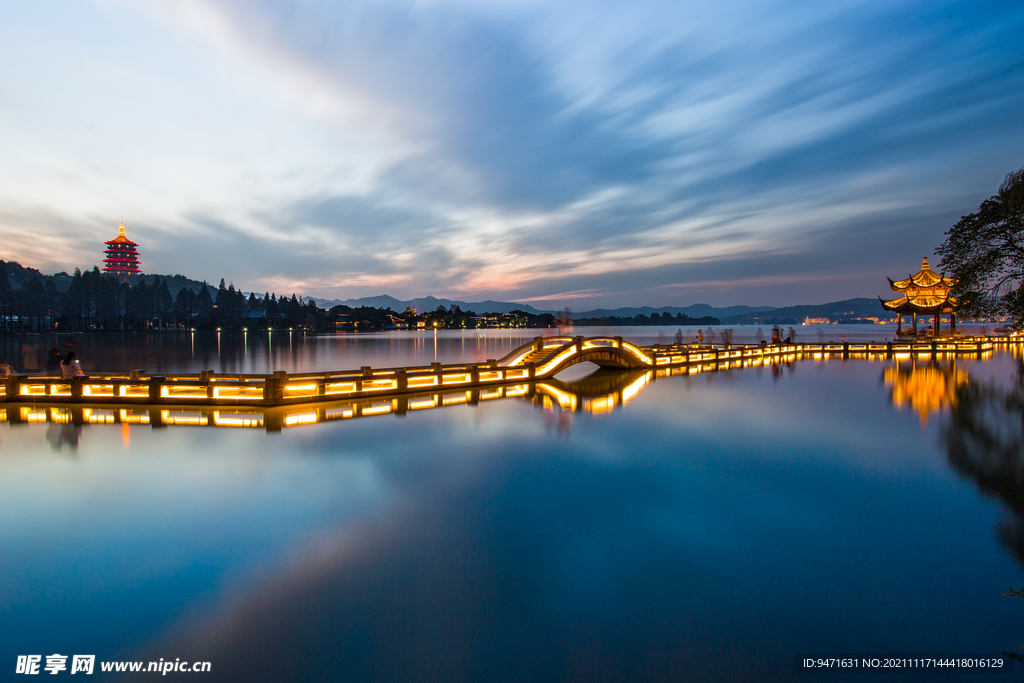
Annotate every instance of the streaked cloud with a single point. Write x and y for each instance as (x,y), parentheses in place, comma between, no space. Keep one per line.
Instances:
(585,153)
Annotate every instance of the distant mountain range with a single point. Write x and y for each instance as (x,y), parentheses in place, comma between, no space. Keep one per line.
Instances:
(430,303)
(836,310)
(849,309)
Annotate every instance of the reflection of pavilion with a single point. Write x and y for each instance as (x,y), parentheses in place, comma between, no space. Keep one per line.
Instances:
(924,293)
(925,388)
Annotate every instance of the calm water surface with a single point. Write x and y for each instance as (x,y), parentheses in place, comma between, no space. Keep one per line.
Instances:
(707,530)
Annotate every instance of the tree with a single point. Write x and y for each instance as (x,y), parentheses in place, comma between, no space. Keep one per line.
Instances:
(984,252)
(5,299)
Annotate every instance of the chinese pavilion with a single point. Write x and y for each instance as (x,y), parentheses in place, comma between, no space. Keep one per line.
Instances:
(924,293)
(122,256)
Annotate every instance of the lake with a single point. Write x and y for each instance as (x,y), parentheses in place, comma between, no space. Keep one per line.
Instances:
(705,528)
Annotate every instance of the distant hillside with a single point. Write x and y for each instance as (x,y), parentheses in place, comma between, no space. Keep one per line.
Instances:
(425,304)
(694,311)
(850,310)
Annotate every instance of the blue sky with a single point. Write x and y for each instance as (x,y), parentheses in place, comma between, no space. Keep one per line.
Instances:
(578,154)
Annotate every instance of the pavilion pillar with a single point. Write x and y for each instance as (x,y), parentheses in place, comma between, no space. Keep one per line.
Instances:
(936,324)
(899,324)
(952,323)
(915,323)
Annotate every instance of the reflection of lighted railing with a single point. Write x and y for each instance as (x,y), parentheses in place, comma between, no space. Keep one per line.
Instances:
(96,416)
(60,416)
(33,415)
(454,399)
(132,417)
(189,418)
(423,403)
(339,413)
(633,389)
(378,408)
(565,400)
(300,418)
(228,419)
(601,405)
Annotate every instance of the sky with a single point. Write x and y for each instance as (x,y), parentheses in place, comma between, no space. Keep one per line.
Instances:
(571,154)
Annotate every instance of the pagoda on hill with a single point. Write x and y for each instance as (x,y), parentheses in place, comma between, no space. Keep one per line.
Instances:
(122,256)
(924,293)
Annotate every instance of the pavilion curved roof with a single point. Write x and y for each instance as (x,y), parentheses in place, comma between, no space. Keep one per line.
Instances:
(921,304)
(926,277)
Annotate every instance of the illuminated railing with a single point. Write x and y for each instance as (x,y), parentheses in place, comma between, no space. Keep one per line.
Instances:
(543,358)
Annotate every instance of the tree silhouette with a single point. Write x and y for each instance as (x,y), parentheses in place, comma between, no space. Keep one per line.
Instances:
(984,252)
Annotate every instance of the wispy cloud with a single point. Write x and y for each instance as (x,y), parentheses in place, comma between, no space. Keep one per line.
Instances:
(655,153)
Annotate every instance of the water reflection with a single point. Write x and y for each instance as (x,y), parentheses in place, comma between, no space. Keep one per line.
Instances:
(717,525)
(925,386)
(984,441)
(599,392)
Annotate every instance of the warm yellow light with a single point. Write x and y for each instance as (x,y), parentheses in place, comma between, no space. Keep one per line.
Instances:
(377,409)
(183,418)
(237,419)
(300,419)
(98,416)
(131,417)
(32,415)
(423,403)
(240,393)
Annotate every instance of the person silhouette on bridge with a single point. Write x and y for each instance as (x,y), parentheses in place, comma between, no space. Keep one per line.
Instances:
(69,367)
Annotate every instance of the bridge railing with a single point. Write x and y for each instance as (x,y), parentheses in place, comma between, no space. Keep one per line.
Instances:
(282,387)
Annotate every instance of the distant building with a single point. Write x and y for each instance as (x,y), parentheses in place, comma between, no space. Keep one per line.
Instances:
(122,256)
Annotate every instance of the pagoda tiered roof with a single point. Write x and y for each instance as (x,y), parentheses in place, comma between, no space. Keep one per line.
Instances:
(121,238)
(924,292)
(121,255)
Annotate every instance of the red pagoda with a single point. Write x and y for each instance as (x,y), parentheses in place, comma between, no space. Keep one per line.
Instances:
(122,256)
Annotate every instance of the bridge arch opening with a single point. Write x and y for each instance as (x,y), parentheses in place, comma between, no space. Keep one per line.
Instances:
(578,371)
